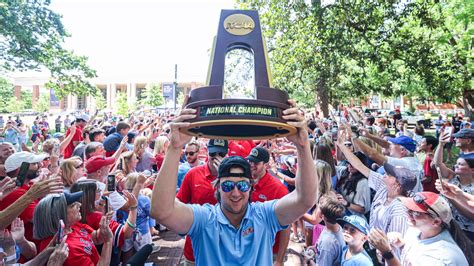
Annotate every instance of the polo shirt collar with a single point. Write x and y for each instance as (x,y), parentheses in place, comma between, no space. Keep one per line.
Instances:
(263,182)
(223,220)
(207,173)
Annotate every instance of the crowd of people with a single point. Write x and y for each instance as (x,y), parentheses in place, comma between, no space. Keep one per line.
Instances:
(346,186)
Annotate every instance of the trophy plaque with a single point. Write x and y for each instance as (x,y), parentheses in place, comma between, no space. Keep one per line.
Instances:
(238,101)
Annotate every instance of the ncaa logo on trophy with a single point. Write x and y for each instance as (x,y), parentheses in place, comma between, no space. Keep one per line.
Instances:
(238,101)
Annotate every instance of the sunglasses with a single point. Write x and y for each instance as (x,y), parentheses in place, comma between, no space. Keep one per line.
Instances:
(221,154)
(190,153)
(420,199)
(228,186)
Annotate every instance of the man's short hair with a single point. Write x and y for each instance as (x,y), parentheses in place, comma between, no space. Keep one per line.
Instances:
(121,126)
(194,143)
(95,132)
(91,148)
(430,140)
(371,119)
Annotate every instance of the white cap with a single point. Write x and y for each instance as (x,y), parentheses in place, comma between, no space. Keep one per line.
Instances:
(15,160)
(83,117)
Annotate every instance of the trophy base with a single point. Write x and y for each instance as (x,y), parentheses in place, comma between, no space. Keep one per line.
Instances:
(239,129)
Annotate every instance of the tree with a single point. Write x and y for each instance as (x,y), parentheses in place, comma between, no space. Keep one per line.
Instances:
(153,95)
(350,49)
(6,93)
(100,102)
(43,103)
(122,104)
(27,99)
(32,36)
(14,105)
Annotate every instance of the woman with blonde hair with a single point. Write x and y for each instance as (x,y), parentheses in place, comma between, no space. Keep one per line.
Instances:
(161,146)
(127,162)
(71,170)
(145,158)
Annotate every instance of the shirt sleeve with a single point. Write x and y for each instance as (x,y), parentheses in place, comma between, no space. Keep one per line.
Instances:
(375,181)
(362,197)
(201,214)
(268,208)
(184,192)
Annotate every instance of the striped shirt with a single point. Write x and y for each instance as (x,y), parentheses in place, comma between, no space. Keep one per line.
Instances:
(390,218)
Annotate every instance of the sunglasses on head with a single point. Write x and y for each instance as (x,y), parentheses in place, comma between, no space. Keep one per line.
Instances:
(420,199)
(190,153)
(228,186)
(221,154)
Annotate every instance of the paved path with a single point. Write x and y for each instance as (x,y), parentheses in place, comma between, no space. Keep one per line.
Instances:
(171,251)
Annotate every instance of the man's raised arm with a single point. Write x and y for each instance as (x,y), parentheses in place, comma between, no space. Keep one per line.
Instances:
(165,208)
(298,202)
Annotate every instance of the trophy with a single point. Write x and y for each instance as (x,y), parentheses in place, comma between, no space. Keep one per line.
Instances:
(238,101)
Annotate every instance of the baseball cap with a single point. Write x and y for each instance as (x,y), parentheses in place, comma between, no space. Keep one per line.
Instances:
(83,117)
(217,145)
(431,203)
(404,141)
(96,162)
(358,222)
(465,133)
(58,135)
(15,160)
(259,154)
(404,176)
(73,197)
(234,161)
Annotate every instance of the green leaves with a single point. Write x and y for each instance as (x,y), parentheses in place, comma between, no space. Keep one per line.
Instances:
(31,37)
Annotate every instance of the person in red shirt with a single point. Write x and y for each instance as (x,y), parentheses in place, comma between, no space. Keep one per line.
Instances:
(81,122)
(265,188)
(428,144)
(197,187)
(80,238)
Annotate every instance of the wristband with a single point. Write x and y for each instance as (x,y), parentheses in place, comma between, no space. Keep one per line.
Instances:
(387,255)
(133,207)
(133,226)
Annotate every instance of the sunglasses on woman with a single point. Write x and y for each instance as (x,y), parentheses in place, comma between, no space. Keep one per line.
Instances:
(228,186)
(221,154)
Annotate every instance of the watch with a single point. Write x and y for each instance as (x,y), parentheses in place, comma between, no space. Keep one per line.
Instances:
(388,255)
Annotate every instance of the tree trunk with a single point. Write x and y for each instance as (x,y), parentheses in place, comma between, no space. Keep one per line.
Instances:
(468,102)
(322,96)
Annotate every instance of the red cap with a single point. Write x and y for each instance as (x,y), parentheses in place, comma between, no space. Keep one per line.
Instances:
(429,202)
(97,162)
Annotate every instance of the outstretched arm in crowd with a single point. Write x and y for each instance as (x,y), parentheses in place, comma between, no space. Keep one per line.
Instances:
(353,160)
(372,153)
(27,248)
(67,140)
(294,205)
(106,236)
(464,202)
(380,141)
(438,156)
(38,190)
(165,208)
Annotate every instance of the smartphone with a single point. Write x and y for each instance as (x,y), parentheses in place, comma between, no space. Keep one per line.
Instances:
(440,177)
(20,180)
(111,183)
(106,204)
(60,232)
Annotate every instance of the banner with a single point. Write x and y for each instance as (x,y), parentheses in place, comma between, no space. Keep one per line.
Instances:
(53,100)
(168,91)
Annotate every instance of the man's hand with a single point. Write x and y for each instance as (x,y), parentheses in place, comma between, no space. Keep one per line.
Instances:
(379,240)
(45,187)
(131,199)
(123,142)
(178,139)
(7,185)
(444,138)
(295,117)
(449,190)
(73,129)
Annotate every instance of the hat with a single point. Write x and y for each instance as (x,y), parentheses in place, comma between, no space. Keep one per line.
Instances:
(96,162)
(404,176)
(58,135)
(234,161)
(465,133)
(83,117)
(217,145)
(15,160)
(404,141)
(438,206)
(259,154)
(73,197)
(358,222)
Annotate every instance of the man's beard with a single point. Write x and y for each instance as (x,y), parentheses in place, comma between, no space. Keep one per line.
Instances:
(192,161)
(31,174)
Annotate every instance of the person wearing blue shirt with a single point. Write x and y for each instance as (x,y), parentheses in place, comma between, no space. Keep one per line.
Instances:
(234,231)
(11,134)
(191,153)
(112,141)
(355,234)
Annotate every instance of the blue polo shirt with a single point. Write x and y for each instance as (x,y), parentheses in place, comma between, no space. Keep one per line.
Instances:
(217,242)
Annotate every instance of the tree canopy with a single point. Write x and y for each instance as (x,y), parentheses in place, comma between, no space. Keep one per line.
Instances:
(31,37)
(418,48)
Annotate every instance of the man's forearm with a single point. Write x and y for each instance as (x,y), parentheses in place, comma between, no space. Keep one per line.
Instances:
(106,253)
(14,210)
(283,244)
(385,144)
(305,185)
(370,152)
(164,190)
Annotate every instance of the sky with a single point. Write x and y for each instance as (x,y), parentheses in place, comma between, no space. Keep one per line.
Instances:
(142,40)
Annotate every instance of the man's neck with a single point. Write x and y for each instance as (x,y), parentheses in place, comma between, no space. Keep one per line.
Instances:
(196,163)
(355,249)
(234,219)
(430,233)
(256,179)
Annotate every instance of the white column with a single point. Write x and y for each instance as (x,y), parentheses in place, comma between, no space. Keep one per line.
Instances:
(113,93)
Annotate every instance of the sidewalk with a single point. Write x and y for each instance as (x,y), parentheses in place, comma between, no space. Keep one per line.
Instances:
(172,245)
